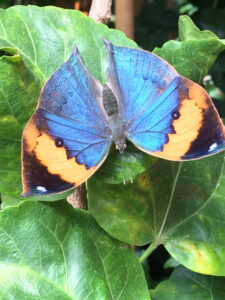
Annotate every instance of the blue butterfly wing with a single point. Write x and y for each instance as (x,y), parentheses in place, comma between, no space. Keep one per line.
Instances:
(165,114)
(67,137)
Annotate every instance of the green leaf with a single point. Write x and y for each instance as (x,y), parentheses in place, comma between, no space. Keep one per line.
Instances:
(171,263)
(180,205)
(34,42)
(117,168)
(184,284)
(188,8)
(189,31)
(53,251)
(124,211)
(203,248)
(8,201)
(195,53)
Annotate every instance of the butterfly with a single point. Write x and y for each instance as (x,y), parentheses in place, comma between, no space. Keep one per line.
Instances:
(144,100)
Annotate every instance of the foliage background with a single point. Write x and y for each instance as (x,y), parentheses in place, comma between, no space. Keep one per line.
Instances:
(153,27)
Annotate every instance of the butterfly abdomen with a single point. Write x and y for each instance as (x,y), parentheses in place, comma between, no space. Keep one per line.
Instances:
(115,122)
(109,101)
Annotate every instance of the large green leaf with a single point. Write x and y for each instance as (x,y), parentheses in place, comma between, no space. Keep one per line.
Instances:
(184,284)
(194,53)
(33,43)
(180,205)
(53,251)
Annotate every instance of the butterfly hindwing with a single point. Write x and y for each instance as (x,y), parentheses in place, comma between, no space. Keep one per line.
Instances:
(67,138)
(198,129)
(165,114)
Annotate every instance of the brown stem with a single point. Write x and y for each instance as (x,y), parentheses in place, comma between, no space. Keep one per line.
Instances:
(125,17)
(79,197)
(101,11)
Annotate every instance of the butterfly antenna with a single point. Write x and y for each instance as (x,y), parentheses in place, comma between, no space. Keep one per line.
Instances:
(128,170)
(122,160)
(126,166)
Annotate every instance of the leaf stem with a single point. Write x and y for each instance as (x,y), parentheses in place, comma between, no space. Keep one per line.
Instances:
(148,251)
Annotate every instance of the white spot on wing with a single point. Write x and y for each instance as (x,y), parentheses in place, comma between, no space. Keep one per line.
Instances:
(41,189)
(212,147)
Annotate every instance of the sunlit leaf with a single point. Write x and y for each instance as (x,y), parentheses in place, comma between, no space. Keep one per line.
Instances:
(53,251)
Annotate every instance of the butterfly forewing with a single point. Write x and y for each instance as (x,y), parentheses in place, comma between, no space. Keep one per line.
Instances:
(67,138)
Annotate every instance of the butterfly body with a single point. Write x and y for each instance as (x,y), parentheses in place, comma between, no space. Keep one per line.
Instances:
(114,117)
(144,100)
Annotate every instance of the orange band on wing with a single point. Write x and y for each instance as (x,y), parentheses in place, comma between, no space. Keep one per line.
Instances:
(197,94)
(30,135)
(56,161)
(186,131)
